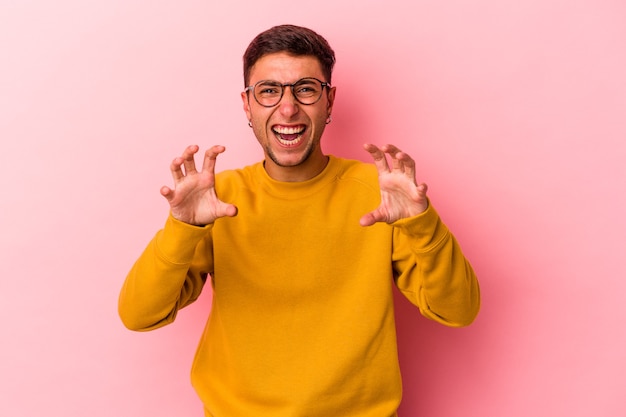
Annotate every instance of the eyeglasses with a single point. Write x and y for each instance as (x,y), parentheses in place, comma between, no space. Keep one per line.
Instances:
(306,91)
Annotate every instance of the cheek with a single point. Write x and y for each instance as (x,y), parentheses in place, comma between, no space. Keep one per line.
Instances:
(319,119)
(258,128)
(258,117)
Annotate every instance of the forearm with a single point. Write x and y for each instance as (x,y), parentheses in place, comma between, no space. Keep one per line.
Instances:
(438,279)
(166,277)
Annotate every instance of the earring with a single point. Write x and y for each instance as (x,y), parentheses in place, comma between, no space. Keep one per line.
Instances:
(249,123)
(329,119)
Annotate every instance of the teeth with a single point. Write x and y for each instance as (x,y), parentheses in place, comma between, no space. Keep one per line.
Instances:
(290,142)
(288,130)
(285,130)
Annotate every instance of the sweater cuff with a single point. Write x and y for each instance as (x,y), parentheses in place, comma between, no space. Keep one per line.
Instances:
(426,230)
(177,241)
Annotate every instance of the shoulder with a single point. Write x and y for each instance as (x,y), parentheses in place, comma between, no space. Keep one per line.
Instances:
(231,180)
(238,174)
(351,170)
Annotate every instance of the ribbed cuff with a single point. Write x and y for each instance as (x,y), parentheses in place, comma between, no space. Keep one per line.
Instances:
(426,229)
(177,241)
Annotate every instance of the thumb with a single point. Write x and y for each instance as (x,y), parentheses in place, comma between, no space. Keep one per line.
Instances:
(167,193)
(230,210)
(368,219)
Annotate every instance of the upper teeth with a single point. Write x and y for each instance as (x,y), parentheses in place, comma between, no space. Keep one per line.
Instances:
(288,130)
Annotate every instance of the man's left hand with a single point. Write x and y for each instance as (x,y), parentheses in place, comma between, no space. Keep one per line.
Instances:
(401,195)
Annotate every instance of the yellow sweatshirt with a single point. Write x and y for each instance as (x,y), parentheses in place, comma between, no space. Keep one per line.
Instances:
(302,320)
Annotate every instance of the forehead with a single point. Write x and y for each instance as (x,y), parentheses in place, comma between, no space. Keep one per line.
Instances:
(285,68)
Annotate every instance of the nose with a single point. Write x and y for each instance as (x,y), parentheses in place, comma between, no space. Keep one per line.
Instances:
(288,105)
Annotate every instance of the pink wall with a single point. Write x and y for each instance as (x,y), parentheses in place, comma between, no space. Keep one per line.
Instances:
(515,112)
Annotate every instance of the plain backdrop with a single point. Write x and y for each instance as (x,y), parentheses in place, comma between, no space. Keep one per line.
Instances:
(515,112)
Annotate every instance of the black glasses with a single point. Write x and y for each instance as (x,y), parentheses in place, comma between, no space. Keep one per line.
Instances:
(306,91)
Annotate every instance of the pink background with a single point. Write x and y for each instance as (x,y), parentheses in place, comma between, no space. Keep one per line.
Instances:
(514,110)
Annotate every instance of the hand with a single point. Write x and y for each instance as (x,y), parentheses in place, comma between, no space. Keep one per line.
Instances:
(401,195)
(193,199)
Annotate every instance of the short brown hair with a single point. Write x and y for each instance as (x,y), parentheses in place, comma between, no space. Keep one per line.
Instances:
(295,40)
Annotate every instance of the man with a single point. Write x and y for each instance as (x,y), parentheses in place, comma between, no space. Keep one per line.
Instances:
(301,251)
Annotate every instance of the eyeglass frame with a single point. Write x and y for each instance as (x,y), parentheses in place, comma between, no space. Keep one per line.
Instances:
(282,90)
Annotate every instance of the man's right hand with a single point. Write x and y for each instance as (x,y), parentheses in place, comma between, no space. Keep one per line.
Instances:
(193,199)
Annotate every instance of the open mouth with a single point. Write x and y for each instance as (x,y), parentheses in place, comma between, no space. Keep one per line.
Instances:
(289,135)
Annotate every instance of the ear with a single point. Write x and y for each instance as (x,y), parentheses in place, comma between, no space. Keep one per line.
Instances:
(246,104)
(331,100)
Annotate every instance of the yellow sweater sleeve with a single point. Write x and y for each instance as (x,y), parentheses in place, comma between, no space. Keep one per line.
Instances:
(432,272)
(168,275)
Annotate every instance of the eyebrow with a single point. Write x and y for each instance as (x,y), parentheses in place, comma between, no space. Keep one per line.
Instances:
(303,79)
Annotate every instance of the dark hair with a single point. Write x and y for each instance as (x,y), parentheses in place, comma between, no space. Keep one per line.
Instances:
(295,40)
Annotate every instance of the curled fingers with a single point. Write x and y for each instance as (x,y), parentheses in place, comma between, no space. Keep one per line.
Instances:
(401,161)
(210,156)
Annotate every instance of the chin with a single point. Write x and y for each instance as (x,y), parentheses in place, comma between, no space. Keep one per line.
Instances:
(293,159)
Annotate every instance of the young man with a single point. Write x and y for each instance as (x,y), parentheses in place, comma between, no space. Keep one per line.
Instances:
(301,251)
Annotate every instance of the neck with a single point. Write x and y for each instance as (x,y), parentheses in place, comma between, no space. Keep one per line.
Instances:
(298,173)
